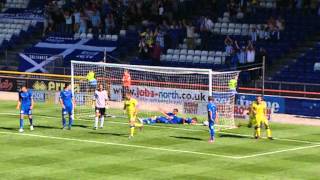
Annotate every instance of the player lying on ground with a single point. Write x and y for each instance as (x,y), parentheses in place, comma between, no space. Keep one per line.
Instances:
(259,109)
(170,118)
(67,103)
(131,108)
(25,105)
(100,99)
(212,118)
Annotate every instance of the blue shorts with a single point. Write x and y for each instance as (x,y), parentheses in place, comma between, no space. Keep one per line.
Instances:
(162,120)
(25,110)
(67,110)
(93,83)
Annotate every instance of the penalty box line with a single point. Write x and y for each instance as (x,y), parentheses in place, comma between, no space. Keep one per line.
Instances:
(183,129)
(121,144)
(278,151)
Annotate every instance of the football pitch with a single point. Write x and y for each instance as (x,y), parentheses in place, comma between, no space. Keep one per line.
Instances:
(157,152)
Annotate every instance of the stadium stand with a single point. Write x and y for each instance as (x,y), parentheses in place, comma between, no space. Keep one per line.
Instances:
(224,35)
(305,69)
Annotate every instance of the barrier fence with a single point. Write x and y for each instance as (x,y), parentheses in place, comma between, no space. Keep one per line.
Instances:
(12,81)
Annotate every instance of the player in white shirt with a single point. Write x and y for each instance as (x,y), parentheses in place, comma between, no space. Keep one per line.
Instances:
(100,99)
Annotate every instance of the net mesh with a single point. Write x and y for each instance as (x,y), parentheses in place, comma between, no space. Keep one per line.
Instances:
(156,89)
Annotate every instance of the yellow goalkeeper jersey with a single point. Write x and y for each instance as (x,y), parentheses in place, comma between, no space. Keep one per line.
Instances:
(259,108)
(131,105)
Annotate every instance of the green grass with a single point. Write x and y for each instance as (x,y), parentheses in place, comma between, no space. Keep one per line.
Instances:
(158,152)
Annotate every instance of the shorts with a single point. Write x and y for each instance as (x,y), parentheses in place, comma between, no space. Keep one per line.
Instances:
(101,111)
(67,110)
(162,119)
(26,111)
(259,120)
(132,116)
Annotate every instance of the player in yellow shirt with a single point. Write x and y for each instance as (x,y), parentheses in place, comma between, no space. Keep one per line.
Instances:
(259,109)
(130,106)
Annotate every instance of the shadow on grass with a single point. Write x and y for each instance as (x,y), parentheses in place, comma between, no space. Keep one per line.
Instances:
(46,127)
(233,136)
(9,128)
(187,138)
(110,134)
(81,126)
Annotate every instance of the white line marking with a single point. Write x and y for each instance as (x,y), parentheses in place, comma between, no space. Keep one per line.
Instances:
(123,145)
(279,151)
(183,129)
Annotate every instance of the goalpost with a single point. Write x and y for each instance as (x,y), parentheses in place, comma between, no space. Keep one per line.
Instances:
(156,88)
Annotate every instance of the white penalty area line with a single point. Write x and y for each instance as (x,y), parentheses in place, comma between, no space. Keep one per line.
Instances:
(183,129)
(279,151)
(120,144)
(159,148)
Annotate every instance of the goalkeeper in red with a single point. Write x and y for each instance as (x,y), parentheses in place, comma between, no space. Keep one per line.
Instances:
(212,118)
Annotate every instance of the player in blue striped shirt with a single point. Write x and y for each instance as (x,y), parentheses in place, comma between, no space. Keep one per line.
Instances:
(212,117)
(67,103)
(25,105)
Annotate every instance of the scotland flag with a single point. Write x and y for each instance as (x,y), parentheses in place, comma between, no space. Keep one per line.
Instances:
(43,53)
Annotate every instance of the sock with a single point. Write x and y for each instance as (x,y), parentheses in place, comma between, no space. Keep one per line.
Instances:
(31,121)
(63,121)
(101,121)
(21,123)
(211,132)
(258,133)
(131,130)
(70,121)
(269,132)
(96,122)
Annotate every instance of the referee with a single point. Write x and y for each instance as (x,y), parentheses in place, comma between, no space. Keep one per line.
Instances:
(99,103)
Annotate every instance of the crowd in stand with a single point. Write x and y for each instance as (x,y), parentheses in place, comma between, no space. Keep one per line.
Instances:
(163,24)
(80,16)
(2,3)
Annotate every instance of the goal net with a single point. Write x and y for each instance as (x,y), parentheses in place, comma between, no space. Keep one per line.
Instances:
(156,89)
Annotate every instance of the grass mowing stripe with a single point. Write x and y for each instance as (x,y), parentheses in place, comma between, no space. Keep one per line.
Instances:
(279,151)
(182,129)
(120,144)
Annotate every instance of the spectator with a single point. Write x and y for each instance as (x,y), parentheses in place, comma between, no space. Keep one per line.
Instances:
(160,38)
(95,21)
(241,53)
(228,45)
(77,19)
(109,24)
(149,38)
(83,23)
(250,53)
(143,47)
(232,8)
(68,22)
(2,3)
(253,34)
(156,53)
(190,35)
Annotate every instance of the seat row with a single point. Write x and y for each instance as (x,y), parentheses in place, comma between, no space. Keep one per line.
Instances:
(195,52)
